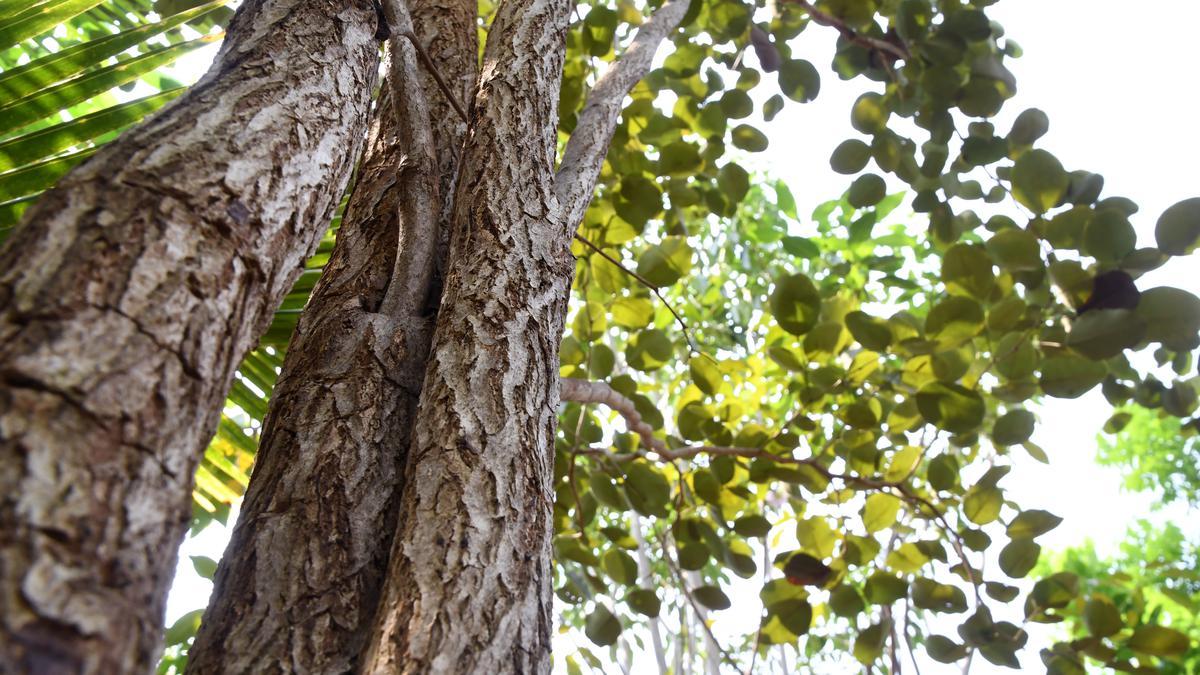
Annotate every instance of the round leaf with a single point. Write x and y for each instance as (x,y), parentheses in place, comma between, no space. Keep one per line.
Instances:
(1178,228)
(796,304)
(1039,181)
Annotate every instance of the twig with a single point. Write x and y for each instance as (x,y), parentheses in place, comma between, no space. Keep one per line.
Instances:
(437,76)
(691,600)
(908,639)
(849,33)
(642,280)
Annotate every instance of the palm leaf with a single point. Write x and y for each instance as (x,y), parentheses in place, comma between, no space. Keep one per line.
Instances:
(42,72)
(17,24)
(50,101)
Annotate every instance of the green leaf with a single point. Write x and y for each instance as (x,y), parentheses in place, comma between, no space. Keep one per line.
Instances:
(954,320)
(649,350)
(1019,557)
(944,650)
(666,263)
(1158,641)
(711,597)
(752,526)
(866,190)
(1029,126)
(1178,229)
(736,104)
(1172,317)
(205,567)
(928,594)
(647,489)
(869,114)
(880,511)
(1015,250)
(796,304)
(25,79)
(1070,376)
(794,613)
(22,150)
(967,270)
(644,602)
(1102,617)
(850,157)
(1039,181)
(1103,333)
(632,313)
(799,80)
(602,627)
(705,374)
(619,566)
(38,18)
(47,102)
(951,407)
(981,505)
(734,182)
(884,589)
(184,628)
(641,199)
(1013,428)
(868,646)
(871,332)
(1108,236)
(1032,523)
(36,177)
(746,137)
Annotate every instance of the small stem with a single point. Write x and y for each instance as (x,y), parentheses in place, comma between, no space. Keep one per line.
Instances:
(642,280)
(436,75)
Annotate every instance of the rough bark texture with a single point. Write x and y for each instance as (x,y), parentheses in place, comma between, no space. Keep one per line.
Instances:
(301,577)
(468,586)
(127,299)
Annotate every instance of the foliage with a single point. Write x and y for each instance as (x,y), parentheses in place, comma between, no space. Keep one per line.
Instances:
(1125,601)
(851,385)
(1155,452)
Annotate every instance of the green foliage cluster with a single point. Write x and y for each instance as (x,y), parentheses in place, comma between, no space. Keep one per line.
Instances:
(850,385)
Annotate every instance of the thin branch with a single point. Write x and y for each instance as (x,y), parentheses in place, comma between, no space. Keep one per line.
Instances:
(642,280)
(696,607)
(588,144)
(437,76)
(849,33)
(418,217)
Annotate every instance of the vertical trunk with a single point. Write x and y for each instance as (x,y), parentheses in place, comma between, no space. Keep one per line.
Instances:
(127,299)
(299,582)
(468,586)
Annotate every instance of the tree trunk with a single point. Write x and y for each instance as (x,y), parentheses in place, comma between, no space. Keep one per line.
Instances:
(299,582)
(468,586)
(127,299)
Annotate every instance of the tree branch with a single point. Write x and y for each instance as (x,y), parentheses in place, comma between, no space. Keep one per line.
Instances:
(586,391)
(588,145)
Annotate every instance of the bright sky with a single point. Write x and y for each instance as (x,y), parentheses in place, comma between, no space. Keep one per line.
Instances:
(1116,79)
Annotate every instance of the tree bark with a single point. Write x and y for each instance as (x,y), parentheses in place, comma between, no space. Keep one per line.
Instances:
(468,587)
(302,574)
(128,297)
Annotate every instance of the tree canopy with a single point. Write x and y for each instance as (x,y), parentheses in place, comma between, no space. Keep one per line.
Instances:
(825,405)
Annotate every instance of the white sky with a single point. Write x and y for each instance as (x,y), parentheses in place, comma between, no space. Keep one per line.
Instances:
(1119,83)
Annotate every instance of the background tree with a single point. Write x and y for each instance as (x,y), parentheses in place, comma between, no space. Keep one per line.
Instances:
(859,386)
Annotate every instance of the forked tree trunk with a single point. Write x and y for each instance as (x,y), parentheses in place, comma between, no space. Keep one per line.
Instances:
(298,585)
(127,299)
(468,586)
